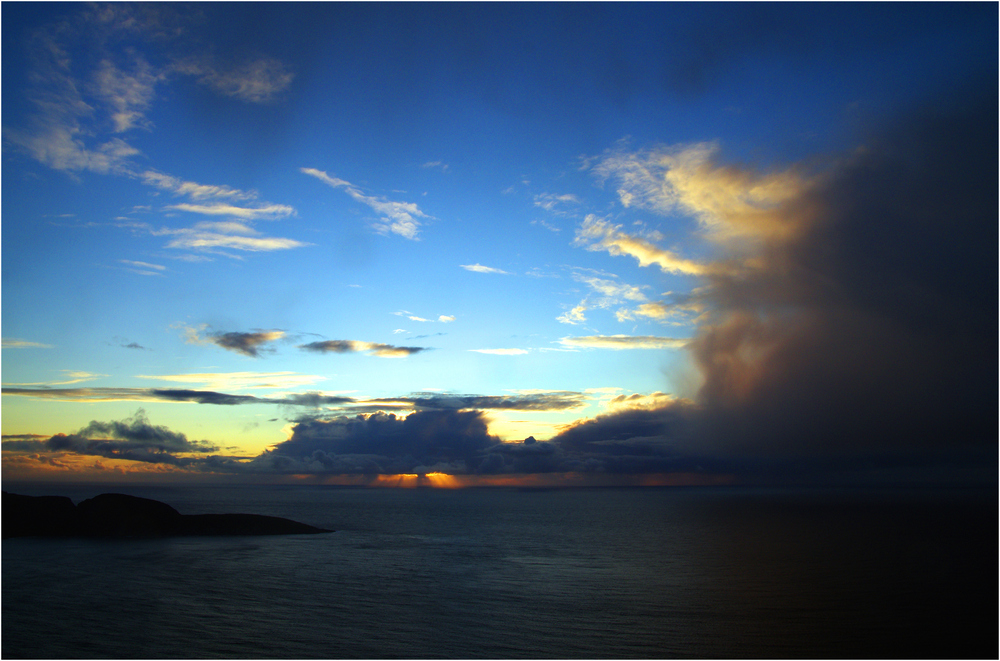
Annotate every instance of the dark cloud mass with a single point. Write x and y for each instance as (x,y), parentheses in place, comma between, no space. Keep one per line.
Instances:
(866,340)
(872,329)
(249,344)
(134,439)
(380,443)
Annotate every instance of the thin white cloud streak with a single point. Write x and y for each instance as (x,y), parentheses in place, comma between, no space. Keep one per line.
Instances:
(442,319)
(239,380)
(479,268)
(397,217)
(209,236)
(191,189)
(270,211)
(74,377)
(13,343)
(145,265)
(620,342)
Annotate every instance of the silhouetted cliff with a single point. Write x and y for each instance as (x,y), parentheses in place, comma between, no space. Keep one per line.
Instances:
(121,516)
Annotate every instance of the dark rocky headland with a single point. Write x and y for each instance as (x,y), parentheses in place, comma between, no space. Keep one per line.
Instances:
(116,515)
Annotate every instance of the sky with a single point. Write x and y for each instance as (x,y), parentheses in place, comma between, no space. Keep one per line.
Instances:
(503,244)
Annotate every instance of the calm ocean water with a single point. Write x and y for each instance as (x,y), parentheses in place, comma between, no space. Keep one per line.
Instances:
(507,573)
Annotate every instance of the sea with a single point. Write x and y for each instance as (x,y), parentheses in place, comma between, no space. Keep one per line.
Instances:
(505,573)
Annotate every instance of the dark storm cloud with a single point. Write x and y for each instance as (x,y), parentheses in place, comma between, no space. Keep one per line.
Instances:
(353,346)
(383,443)
(862,334)
(872,328)
(138,431)
(135,439)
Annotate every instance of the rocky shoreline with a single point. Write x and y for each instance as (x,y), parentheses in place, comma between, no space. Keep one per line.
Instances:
(120,516)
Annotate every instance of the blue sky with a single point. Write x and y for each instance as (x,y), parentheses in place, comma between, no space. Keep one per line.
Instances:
(493,221)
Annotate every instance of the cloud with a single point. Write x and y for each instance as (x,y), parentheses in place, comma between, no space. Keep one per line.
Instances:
(14,343)
(191,189)
(240,380)
(502,352)
(862,327)
(557,400)
(619,342)
(479,268)
(534,401)
(841,330)
(444,167)
(258,81)
(383,443)
(444,319)
(72,377)
(354,346)
(574,316)
(730,202)
(144,268)
(682,310)
(268,212)
(554,203)
(249,344)
(134,439)
(396,217)
(210,236)
(597,234)
(177,395)
(127,93)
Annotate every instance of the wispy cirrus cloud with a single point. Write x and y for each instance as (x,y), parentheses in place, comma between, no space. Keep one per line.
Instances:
(396,217)
(267,212)
(143,268)
(256,81)
(355,346)
(479,268)
(192,189)
(239,380)
(127,93)
(72,376)
(14,343)
(619,342)
(555,203)
(225,235)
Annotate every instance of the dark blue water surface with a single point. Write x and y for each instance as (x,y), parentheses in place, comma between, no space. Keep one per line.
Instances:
(508,573)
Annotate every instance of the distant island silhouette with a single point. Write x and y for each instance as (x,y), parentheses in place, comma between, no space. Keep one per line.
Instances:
(120,516)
